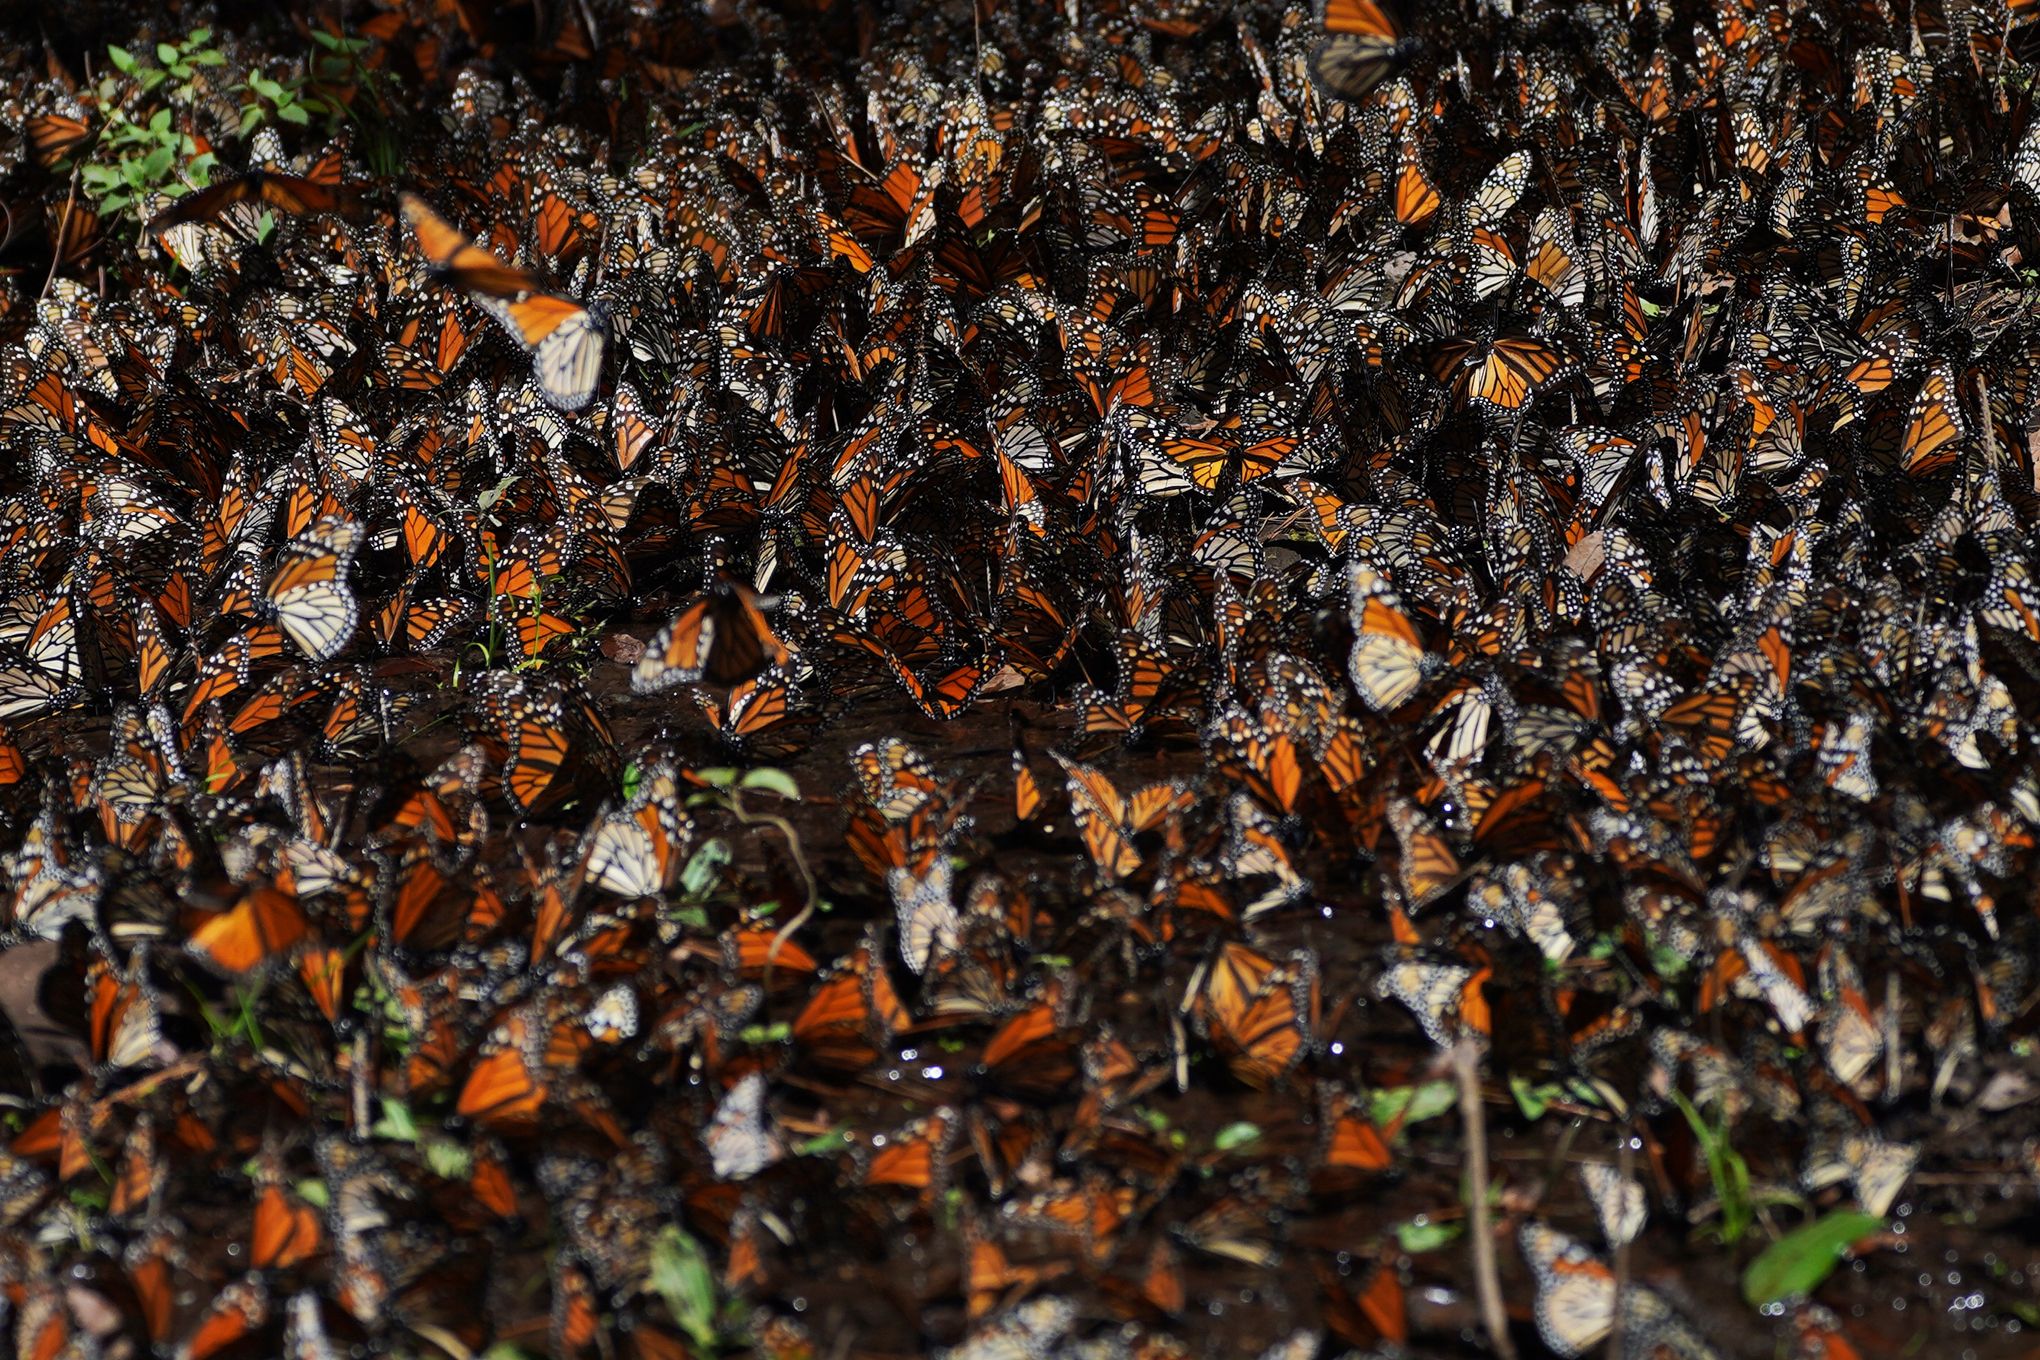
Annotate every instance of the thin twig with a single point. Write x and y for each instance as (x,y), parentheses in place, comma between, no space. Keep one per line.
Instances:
(1486,1275)
(807,910)
(357,1077)
(63,236)
(1626,1163)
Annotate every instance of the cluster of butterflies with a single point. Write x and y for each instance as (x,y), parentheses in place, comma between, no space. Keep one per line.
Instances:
(1493,524)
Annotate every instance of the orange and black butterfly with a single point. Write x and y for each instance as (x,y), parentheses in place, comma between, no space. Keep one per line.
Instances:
(284,193)
(853,1013)
(722,638)
(263,925)
(53,136)
(1109,820)
(1503,375)
(1362,46)
(1261,1016)
(307,594)
(565,338)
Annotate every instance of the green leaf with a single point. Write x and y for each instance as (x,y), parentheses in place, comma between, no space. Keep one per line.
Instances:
(396,1123)
(251,114)
(776,1032)
(97,176)
(449,1161)
(771,781)
(1414,1103)
(1421,1235)
(208,58)
(704,867)
(718,776)
(122,59)
(822,1144)
(114,202)
(166,54)
(293,113)
(265,87)
(329,41)
(680,1275)
(1796,1263)
(199,38)
(159,121)
(1234,1136)
(156,165)
(313,1191)
(1533,1101)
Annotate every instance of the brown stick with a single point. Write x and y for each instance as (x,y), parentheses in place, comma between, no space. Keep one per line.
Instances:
(1626,1161)
(1486,1275)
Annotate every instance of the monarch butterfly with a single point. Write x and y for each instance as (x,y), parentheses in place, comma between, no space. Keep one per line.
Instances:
(286,1230)
(1108,821)
(853,1014)
(1416,197)
(1266,756)
(1148,687)
(307,594)
(762,717)
(286,193)
(233,1315)
(1035,1053)
(897,781)
(1576,1297)
(1350,1141)
(944,689)
(1361,47)
(262,926)
(520,1060)
(915,1156)
(636,851)
(1875,1168)
(1619,1202)
(565,338)
(53,136)
(1849,1032)
(741,1143)
(1261,1016)
(1387,660)
(1446,998)
(926,912)
(1502,375)
(1935,428)
(125,1028)
(722,637)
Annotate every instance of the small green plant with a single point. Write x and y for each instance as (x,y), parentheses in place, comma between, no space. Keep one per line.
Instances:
(680,1274)
(135,161)
(726,788)
(342,82)
(178,62)
(1725,1167)
(141,150)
